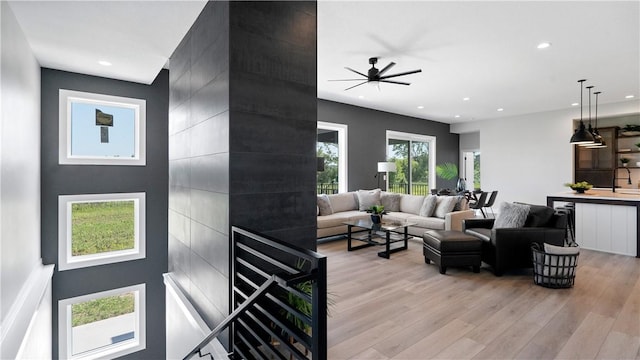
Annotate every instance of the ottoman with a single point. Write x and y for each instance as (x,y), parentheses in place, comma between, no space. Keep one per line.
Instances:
(451,248)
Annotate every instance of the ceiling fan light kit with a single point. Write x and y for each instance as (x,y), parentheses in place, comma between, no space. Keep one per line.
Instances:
(376,76)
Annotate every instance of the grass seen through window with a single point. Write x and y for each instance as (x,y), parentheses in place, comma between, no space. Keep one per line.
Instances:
(99,227)
(102,309)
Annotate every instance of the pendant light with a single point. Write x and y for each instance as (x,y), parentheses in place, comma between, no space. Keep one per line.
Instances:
(590,130)
(599,140)
(581,136)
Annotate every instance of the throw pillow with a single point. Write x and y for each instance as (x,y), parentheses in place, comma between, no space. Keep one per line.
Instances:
(511,216)
(324,205)
(428,206)
(444,205)
(411,204)
(390,201)
(539,216)
(461,203)
(368,198)
(559,266)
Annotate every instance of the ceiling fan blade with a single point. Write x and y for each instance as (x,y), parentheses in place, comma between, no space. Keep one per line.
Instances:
(400,74)
(357,72)
(386,68)
(396,82)
(345,80)
(362,83)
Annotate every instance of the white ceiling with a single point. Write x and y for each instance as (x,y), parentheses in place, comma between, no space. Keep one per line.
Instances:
(482,50)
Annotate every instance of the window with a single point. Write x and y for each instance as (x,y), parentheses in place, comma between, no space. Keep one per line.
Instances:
(331,149)
(100,129)
(100,228)
(414,156)
(107,324)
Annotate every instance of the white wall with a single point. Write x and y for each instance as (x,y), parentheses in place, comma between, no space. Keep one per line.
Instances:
(528,157)
(19,180)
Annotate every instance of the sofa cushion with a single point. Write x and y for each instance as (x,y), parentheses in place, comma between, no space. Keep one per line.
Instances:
(444,205)
(428,206)
(511,215)
(337,219)
(324,206)
(539,216)
(411,204)
(368,198)
(343,202)
(390,201)
(397,216)
(427,222)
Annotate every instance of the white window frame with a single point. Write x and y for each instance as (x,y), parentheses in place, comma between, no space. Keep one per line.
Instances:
(137,343)
(421,138)
(342,130)
(67,97)
(67,261)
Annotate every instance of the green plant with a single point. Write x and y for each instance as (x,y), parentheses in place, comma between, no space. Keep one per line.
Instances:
(631,127)
(376,209)
(447,171)
(638,144)
(579,185)
(624,160)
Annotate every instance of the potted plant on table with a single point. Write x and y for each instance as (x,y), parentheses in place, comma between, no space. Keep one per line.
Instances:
(376,213)
(579,187)
(624,161)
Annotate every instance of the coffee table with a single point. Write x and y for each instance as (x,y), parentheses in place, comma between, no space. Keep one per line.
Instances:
(385,234)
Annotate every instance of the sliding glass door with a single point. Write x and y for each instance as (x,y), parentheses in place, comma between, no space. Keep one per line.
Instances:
(414,156)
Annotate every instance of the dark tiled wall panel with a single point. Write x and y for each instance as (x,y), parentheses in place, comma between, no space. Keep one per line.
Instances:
(242,139)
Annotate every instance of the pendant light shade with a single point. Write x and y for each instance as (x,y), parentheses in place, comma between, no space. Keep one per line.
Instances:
(581,136)
(590,129)
(599,142)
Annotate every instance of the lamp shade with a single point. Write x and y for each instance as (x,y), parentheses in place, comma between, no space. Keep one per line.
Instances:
(386,166)
(581,136)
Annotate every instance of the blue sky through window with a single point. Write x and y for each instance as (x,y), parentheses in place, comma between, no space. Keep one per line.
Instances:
(85,134)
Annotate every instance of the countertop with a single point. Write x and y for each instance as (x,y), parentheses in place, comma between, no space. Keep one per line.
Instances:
(604,194)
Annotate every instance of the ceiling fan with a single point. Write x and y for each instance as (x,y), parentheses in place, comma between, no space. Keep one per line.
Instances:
(375,75)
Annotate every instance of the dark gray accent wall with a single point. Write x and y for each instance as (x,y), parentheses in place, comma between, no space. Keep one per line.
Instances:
(367,139)
(242,139)
(87,179)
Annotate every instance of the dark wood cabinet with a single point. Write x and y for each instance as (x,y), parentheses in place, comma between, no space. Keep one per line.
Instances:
(596,165)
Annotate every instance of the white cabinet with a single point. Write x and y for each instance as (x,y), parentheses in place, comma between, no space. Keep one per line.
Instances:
(609,228)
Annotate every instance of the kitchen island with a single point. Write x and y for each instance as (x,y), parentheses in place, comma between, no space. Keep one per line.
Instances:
(605,220)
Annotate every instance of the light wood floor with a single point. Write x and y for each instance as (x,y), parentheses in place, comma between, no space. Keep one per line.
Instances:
(403,308)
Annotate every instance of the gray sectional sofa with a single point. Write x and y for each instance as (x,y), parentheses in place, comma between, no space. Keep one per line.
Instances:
(428,212)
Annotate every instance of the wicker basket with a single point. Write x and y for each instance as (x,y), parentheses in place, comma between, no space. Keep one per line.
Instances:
(551,270)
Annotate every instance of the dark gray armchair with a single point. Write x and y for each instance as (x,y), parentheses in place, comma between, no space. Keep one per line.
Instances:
(510,248)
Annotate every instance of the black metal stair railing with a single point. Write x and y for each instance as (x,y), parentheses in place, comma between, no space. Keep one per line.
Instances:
(279,297)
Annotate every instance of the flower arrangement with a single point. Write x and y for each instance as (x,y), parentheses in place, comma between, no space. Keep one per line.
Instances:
(579,187)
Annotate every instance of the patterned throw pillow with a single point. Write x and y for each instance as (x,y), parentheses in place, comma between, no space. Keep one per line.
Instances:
(511,216)
(368,198)
(324,205)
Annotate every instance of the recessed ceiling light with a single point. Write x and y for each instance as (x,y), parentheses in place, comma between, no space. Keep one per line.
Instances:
(629,97)
(574,104)
(104,63)
(420,107)
(544,45)
(466,99)
(500,109)
(360,96)
(456,116)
